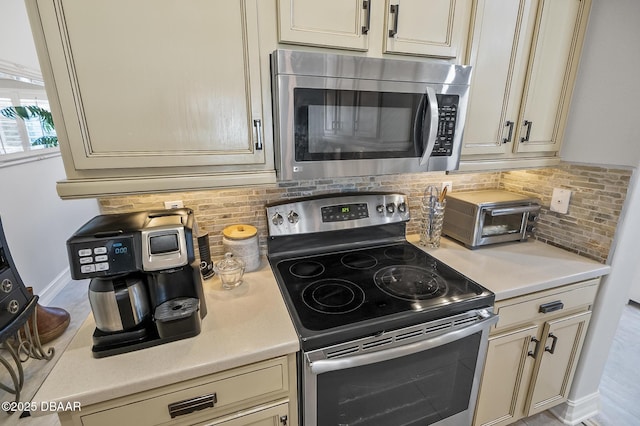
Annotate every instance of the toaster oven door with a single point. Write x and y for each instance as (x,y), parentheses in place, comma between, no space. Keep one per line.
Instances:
(499,224)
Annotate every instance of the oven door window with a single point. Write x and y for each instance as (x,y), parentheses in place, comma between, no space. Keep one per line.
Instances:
(349,124)
(418,389)
(501,225)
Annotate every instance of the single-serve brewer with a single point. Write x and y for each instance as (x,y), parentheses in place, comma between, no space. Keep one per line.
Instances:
(146,287)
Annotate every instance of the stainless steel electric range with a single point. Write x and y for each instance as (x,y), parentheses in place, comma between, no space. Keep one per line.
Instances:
(389,334)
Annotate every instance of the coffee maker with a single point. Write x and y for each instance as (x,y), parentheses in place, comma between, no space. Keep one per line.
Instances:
(146,287)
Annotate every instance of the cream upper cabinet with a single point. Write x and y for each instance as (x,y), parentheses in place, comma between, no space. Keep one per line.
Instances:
(437,28)
(524,56)
(156,88)
(533,352)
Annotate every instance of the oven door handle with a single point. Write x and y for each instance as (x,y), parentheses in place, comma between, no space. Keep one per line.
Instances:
(326,365)
(512,210)
(432,99)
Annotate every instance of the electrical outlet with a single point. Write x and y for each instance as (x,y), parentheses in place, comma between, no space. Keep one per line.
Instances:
(448,184)
(178,204)
(560,200)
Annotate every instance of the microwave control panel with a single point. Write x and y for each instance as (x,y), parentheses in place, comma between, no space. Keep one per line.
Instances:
(447,117)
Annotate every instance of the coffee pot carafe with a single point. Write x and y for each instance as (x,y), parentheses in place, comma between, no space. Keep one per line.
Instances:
(119,303)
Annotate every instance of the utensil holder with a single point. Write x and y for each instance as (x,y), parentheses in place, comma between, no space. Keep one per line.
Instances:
(431,224)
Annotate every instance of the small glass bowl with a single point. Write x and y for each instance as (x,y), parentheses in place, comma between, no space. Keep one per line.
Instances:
(230,271)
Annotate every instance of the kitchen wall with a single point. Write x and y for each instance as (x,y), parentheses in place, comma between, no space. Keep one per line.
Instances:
(588,228)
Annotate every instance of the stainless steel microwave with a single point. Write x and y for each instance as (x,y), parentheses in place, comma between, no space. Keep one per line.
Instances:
(478,218)
(341,115)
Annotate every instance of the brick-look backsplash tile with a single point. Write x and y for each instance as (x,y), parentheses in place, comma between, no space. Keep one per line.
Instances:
(588,229)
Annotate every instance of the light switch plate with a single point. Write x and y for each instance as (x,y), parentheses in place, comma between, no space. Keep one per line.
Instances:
(560,200)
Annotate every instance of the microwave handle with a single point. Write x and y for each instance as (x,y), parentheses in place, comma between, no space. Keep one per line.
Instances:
(432,133)
(513,210)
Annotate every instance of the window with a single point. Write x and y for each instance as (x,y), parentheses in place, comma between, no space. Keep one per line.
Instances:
(20,137)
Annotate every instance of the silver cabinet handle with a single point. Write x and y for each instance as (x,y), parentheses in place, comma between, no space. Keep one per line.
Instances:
(528,125)
(257,123)
(188,406)
(366,5)
(395,9)
(508,124)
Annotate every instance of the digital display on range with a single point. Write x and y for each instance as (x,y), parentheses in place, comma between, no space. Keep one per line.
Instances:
(344,212)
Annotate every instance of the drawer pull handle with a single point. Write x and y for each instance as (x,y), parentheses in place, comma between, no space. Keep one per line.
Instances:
(532,353)
(190,405)
(553,345)
(551,307)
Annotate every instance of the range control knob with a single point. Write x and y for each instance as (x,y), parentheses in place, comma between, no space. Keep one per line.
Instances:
(277,219)
(13,307)
(380,208)
(6,285)
(293,217)
(402,207)
(391,208)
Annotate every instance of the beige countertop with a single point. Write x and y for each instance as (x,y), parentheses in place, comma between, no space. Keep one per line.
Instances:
(518,268)
(245,325)
(251,323)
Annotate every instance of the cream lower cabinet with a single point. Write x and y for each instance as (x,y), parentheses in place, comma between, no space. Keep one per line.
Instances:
(525,57)
(260,394)
(437,28)
(156,94)
(533,352)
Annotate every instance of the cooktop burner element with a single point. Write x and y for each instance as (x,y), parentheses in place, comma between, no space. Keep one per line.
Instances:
(345,277)
(359,261)
(333,296)
(410,282)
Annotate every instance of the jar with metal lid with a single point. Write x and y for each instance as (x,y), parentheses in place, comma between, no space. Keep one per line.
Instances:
(242,241)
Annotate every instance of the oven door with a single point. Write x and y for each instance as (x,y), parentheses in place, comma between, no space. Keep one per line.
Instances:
(499,224)
(419,375)
(335,127)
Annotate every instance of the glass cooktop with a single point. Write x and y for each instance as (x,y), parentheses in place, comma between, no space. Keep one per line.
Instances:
(362,289)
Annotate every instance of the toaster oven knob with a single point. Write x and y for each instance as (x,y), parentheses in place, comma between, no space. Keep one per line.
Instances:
(402,207)
(531,228)
(380,208)
(13,307)
(293,217)
(391,208)
(277,219)
(6,285)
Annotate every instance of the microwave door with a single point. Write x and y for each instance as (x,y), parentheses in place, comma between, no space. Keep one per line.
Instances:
(430,132)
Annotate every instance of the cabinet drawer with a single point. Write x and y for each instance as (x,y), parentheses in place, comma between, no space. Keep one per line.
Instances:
(557,301)
(232,392)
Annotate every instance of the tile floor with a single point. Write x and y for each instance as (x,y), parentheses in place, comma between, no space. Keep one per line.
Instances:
(619,388)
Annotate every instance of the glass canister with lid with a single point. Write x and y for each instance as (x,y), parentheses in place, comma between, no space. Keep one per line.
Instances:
(242,241)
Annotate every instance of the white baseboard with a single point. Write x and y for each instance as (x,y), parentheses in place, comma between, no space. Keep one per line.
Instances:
(47,295)
(578,411)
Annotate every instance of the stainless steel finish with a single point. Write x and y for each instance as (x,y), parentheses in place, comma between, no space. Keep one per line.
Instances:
(297,69)
(105,309)
(381,207)
(464,219)
(495,211)
(157,262)
(433,127)
(258,125)
(394,344)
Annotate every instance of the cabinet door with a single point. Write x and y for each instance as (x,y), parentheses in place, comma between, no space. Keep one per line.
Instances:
(331,23)
(156,83)
(501,38)
(273,416)
(431,28)
(506,377)
(558,357)
(552,68)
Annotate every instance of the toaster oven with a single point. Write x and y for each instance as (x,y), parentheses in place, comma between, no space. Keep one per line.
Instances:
(478,218)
